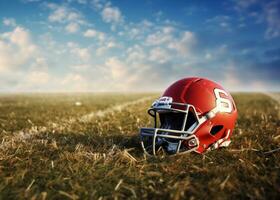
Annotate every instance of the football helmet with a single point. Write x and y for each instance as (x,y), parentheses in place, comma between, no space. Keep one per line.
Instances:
(193,114)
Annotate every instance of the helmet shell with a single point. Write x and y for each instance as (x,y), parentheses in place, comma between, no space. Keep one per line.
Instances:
(199,92)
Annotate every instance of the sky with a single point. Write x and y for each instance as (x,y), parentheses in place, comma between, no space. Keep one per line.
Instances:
(144,45)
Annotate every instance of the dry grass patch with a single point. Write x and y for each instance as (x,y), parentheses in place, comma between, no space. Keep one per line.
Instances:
(101,156)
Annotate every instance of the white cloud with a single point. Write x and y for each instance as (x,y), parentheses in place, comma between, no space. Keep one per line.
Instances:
(78,1)
(30,1)
(135,54)
(111,15)
(268,11)
(137,31)
(117,68)
(37,77)
(231,77)
(168,37)
(101,36)
(23,67)
(72,28)
(82,1)
(272,13)
(9,22)
(19,36)
(243,4)
(81,67)
(208,56)
(16,48)
(91,33)
(110,44)
(72,16)
(137,61)
(39,63)
(220,22)
(66,15)
(159,55)
(72,44)
(134,32)
(162,36)
(59,14)
(73,82)
(72,77)
(184,44)
(81,53)
(97,4)
(121,75)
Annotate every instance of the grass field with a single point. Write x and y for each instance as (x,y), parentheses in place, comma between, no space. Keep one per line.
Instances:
(53,148)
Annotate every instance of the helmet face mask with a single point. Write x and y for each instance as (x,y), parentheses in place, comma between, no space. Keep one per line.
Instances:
(175,127)
(183,125)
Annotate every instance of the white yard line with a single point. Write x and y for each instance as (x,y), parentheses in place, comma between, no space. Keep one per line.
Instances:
(112,109)
(275,96)
(35,130)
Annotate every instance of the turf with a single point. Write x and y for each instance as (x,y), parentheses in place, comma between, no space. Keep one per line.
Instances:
(52,148)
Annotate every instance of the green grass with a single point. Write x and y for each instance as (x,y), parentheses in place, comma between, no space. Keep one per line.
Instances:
(49,151)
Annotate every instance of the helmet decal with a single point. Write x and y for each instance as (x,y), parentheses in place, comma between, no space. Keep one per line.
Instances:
(222,104)
(163,102)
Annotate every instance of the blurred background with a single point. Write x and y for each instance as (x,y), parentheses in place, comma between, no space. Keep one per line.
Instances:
(101,45)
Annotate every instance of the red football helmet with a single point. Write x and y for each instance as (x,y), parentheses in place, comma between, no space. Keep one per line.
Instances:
(195,114)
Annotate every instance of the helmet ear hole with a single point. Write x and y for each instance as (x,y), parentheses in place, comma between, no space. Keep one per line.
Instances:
(216,129)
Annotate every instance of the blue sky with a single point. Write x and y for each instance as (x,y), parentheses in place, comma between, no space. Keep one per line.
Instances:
(101,45)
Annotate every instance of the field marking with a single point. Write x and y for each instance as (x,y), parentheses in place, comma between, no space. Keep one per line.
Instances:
(27,134)
(112,109)
(273,95)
